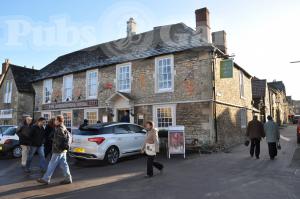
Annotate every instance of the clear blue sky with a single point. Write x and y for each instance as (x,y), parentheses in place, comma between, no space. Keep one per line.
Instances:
(263,34)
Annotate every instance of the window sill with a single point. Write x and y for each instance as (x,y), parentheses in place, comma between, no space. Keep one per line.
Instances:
(124,91)
(91,97)
(165,91)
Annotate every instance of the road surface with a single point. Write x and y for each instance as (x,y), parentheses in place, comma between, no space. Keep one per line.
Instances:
(230,175)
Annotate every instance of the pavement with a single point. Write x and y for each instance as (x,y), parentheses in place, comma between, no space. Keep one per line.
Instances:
(228,175)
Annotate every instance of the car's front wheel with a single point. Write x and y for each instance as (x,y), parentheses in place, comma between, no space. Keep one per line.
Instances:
(112,155)
(17,152)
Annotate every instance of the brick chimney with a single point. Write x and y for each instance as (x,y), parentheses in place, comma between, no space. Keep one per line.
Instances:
(203,24)
(219,40)
(131,27)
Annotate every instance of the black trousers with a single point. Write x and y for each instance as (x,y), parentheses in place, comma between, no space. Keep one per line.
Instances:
(151,163)
(255,147)
(272,149)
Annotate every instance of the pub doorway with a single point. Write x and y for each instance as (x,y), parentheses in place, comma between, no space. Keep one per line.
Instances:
(123,115)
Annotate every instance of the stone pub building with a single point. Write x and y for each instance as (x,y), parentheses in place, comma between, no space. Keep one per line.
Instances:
(173,75)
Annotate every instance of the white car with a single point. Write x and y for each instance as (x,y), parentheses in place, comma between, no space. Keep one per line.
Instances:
(9,142)
(108,141)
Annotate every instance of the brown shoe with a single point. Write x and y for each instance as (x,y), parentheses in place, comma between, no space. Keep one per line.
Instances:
(66,182)
(42,181)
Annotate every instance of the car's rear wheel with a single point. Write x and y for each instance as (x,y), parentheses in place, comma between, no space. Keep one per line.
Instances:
(17,152)
(112,155)
(298,140)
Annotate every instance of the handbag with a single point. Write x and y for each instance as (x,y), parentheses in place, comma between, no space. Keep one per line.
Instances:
(150,149)
(247,142)
(278,145)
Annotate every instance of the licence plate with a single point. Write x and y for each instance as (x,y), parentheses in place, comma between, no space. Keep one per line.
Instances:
(79,150)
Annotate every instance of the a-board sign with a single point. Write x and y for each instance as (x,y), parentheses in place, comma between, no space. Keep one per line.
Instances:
(176,140)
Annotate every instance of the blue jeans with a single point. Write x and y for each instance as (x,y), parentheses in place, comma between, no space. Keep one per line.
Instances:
(40,151)
(58,159)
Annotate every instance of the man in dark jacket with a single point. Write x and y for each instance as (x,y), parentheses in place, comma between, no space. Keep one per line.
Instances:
(49,134)
(59,153)
(23,131)
(37,136)
(255,131)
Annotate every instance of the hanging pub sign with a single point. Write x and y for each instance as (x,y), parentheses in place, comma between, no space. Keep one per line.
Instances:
(226,68)
(176,140)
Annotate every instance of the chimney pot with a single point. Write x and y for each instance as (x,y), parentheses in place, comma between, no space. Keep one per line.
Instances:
(203,24)
(131,27)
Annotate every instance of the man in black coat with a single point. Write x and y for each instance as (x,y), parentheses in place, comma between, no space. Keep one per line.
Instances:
(37,136)
(23,131)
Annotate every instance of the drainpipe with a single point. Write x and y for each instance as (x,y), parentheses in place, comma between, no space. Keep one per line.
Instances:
(214,96)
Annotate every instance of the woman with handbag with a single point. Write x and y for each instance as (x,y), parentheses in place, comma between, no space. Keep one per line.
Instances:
(151,148)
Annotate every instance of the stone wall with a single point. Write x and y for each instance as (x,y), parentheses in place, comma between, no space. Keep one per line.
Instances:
(197,119)
(25,105)
(228,89)
(229,129)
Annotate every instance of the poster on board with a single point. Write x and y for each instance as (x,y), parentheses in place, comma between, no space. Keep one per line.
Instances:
(176,140)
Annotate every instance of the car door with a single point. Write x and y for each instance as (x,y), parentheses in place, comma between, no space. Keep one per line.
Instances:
(125,138)
(139,136)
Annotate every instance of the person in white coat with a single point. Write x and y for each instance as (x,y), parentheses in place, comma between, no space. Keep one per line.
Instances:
(151,139)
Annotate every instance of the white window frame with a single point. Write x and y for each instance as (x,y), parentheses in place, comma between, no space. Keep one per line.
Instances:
(62,113)
(64,99)
(242,85)
(89,111)
(44,91)
(173,112)
(43,115)
(117,77)
(244,118)
(7,92)
(157,89)
(6,114)
(87,84)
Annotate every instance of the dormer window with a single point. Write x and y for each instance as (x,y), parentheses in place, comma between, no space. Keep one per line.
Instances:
(67,88)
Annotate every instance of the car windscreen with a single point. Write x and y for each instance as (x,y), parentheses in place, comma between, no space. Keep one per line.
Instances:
(93,131)
(4,128)
(10,131)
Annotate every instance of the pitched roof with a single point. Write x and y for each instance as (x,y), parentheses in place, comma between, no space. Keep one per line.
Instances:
(278,85)
(258,87)
(23,77)
(161,40)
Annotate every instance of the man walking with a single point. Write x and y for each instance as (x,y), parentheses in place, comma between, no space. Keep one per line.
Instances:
(37,137)
(60,147)
(273,136)
(24,138)
(255,131)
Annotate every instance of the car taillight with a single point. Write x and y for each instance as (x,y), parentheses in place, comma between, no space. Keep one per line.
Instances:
(98,140)
(7,142)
